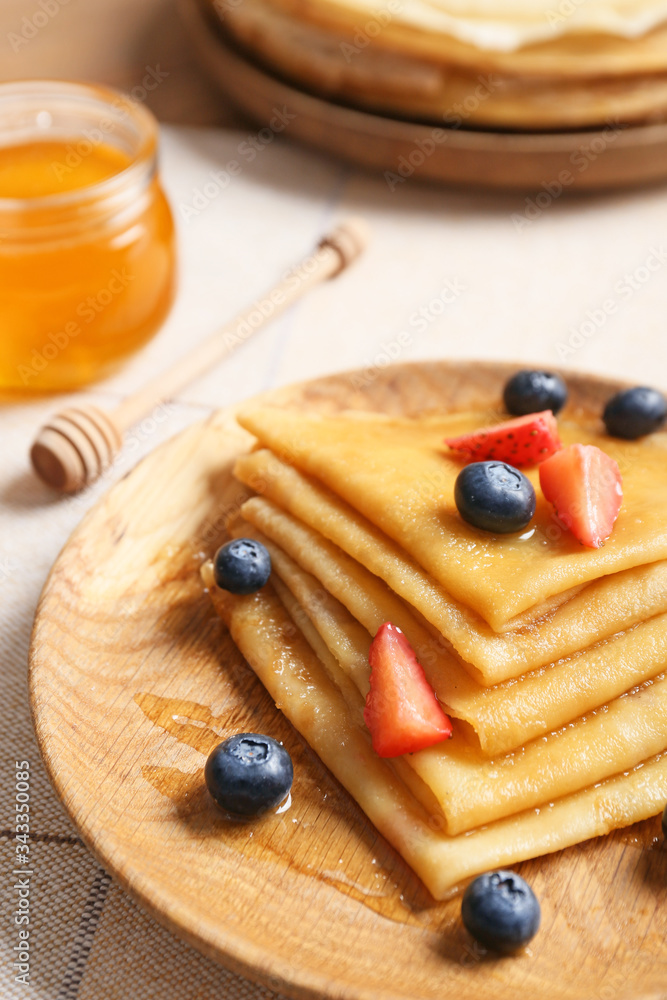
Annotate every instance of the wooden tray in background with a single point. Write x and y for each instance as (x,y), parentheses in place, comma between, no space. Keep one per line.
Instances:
(134,679)
(473,158)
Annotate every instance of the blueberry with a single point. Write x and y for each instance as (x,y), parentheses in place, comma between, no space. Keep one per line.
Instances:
(494,496)
(533,391)
(242,566)
(249,774)
(635,412)
(501,911)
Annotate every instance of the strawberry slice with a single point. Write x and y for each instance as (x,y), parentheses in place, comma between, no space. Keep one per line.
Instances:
(525,441)
(584,485)
(402,711)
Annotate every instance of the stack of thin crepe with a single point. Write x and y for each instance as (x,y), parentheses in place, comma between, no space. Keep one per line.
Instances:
(520,64)
(548,656)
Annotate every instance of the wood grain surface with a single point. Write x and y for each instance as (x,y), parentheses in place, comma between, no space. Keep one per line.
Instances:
(134,679)
(468,157)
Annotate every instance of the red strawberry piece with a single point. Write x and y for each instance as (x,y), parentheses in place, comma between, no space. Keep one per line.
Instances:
(402,711)
(525,441)
(584,485)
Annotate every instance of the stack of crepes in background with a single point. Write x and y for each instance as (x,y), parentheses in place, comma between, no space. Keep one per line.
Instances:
(515,64)
(548,656)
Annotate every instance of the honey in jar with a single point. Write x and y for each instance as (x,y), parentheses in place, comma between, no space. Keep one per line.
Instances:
(86,234)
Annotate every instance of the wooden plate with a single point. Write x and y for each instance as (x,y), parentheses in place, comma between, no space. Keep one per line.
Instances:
(637,155)
(133,681)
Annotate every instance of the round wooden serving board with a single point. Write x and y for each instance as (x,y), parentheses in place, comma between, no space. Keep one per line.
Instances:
(534,161)
(134,680)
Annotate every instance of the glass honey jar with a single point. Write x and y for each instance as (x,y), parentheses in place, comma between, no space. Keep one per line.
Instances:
(87,249)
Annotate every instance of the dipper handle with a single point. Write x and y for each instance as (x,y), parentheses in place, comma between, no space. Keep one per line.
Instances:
(74,447)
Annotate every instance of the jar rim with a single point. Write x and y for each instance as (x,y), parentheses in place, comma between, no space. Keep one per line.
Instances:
(119,105)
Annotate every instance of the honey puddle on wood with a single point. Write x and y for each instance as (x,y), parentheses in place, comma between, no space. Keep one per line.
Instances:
(393,892)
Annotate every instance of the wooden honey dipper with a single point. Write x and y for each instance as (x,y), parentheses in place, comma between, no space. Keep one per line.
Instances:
(78,444)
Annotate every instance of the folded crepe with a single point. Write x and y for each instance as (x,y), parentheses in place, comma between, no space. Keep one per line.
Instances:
(308,517)
(420,73)
(507,26)
(549,657)
(503,717)
(469,788)
(297,679)
(586,44)
(399,475)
